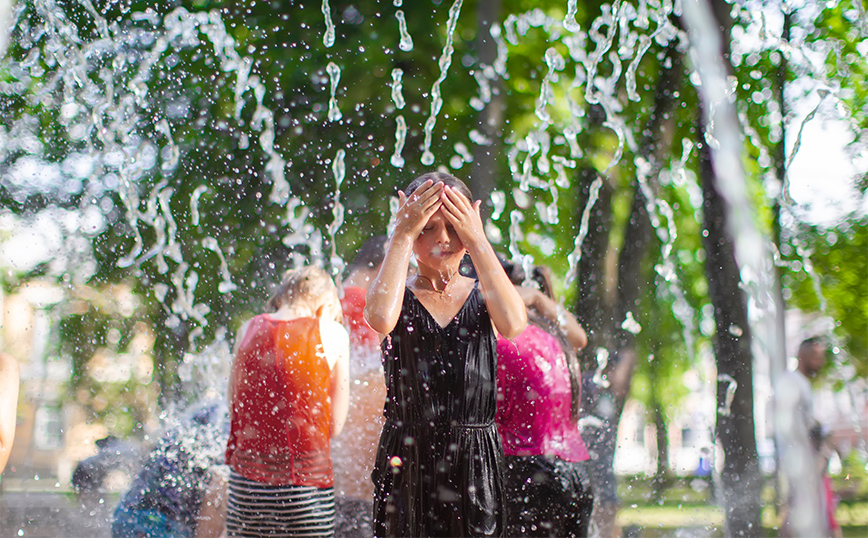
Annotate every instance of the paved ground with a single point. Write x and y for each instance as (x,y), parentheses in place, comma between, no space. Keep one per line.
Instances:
(54,515)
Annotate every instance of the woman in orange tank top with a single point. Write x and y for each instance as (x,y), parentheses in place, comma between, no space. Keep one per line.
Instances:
(288,396)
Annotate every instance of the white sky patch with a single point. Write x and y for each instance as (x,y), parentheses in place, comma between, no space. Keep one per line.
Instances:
(822,172)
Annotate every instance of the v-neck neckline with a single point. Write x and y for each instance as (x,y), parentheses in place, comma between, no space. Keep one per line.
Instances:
(451,320)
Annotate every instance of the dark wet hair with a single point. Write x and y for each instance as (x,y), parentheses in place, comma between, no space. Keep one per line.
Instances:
(440,177)
(541,275)
(808,343)
(309,281)
(370,255)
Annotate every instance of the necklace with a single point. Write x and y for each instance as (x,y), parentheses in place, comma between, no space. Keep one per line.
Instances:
(433,287)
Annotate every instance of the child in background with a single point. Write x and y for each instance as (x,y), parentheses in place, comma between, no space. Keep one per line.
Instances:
(548,489)
(179,491)
(354,451)
(438,470)
(288,395)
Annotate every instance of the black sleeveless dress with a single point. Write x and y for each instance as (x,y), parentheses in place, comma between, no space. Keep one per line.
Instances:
(439,466)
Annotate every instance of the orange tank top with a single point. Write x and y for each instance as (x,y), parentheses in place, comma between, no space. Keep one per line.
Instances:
(281,405)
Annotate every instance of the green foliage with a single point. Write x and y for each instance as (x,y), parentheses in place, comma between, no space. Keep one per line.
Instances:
(105,330)
(836,258)
(198,179)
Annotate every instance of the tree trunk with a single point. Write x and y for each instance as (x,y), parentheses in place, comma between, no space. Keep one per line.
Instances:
(742,483)
(602,316)
(661,477)
(484,170)
(592,307)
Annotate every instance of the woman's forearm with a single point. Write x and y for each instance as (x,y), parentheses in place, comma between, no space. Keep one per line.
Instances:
(386,292)
(505,305)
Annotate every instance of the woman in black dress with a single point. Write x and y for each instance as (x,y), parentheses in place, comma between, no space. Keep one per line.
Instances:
(438,470)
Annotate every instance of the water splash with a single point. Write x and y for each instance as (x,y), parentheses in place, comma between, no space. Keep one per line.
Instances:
(516,217)
(339,171)
(400,137)
(398,88)
(554,62)
(630,324)
(725,409)
(436,97)
(570,19)
(301,233)
(576,255)
(194,204)
(334,78)
(602,362)
(656,208)
(213,245)
(406,42)
(328,39)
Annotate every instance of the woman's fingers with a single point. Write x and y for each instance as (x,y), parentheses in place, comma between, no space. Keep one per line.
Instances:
(457,199)
(429,194)
(418,207)
(454,202)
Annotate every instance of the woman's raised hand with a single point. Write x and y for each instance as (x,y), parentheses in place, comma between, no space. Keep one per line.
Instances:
(463,215)
(415,210)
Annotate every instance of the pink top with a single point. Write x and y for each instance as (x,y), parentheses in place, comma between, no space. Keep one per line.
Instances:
(534,398)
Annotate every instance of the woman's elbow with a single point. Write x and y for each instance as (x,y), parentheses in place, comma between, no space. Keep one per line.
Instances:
(379,322)
(515,326)
(581,340)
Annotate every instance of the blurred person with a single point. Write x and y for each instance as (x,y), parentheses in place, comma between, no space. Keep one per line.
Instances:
(798,439)
(181,489)
(354,450)
(288,396)
(9,381)
(113,455)
(548,489)
(828,447)
(604,391)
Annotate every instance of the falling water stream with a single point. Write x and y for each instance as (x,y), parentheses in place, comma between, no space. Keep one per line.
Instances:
(107,109)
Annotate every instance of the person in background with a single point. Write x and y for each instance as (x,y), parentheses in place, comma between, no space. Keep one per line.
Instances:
(288,396)
(354,450)
(180,491)
(798,439)
(9,381)
(439,466)
(548,489)
(604,391)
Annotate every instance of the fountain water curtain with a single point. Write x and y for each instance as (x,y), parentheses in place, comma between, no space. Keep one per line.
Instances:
(107,113)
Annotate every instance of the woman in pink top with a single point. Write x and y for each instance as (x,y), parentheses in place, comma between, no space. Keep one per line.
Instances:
(548,491)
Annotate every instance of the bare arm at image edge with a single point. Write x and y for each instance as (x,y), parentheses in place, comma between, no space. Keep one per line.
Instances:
(9,380)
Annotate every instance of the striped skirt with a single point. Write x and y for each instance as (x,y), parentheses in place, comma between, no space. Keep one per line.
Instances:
(256,509)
